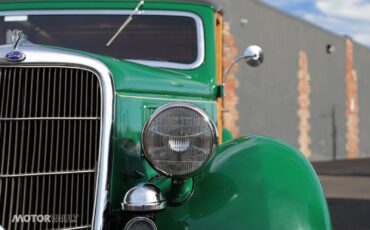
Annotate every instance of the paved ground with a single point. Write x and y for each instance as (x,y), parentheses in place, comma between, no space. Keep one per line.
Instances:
(347,187)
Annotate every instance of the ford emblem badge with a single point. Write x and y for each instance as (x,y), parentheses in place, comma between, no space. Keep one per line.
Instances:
(15,56)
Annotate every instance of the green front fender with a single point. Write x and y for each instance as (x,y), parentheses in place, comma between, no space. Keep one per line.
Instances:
(253,183)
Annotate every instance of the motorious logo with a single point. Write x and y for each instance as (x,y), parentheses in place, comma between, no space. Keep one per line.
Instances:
(71,218)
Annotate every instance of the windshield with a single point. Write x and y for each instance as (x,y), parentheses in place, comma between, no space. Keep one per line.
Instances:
(149,37)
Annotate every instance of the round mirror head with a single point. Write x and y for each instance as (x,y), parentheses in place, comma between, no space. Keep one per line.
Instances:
(253,55)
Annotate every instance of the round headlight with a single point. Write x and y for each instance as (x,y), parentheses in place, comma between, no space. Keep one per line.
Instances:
(178,139)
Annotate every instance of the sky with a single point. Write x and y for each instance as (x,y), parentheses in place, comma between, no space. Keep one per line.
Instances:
(344,17)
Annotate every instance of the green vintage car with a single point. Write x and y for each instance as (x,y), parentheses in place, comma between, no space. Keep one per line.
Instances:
(111,118)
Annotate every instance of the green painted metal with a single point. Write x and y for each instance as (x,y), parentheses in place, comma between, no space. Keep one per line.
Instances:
(226,135)
(136,78)
(175,191)
(253,183)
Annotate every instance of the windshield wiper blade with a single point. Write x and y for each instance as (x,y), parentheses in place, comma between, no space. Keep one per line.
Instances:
(126,22)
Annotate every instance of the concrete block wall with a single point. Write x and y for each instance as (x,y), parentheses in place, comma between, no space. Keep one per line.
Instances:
(338,122)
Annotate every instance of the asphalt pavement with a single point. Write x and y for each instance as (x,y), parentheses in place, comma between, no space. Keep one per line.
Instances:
(346,185)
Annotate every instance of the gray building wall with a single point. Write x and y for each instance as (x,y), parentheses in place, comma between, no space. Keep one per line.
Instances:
(268,94)
(362,67)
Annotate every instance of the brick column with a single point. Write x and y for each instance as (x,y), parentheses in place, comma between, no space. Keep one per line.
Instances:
(231,114)
(304,90)
(352,108)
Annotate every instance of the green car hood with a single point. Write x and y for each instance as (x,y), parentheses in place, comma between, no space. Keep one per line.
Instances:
(131,77)
(137,78)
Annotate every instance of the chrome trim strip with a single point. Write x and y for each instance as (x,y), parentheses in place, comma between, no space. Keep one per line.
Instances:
(47,118)
(39,55)
(171,65)
(47,173)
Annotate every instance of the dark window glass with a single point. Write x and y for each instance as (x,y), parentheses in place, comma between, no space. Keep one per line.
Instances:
(147,37)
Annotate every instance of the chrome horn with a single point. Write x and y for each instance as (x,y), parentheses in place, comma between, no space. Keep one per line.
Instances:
(143,198)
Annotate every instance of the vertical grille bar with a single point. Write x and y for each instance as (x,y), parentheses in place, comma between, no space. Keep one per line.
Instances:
(11,200)
(3,82)
(17,210)
(50,127)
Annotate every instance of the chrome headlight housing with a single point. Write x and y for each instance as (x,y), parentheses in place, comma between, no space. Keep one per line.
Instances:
(178,139)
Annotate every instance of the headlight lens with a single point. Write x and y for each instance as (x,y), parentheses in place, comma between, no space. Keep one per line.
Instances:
(178,139)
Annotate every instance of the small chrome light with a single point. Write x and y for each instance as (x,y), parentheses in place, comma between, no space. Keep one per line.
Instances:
(178,139)
(140,223)
(144,197)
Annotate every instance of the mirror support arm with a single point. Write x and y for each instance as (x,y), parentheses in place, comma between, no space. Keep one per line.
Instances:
(227,72)
(253,55)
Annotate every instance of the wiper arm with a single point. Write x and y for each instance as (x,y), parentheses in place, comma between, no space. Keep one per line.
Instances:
(126,22)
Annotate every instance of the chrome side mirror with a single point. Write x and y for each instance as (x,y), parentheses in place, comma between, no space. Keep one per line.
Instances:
(253,56)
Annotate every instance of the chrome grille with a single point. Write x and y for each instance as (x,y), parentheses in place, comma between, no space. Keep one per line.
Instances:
(50,121)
